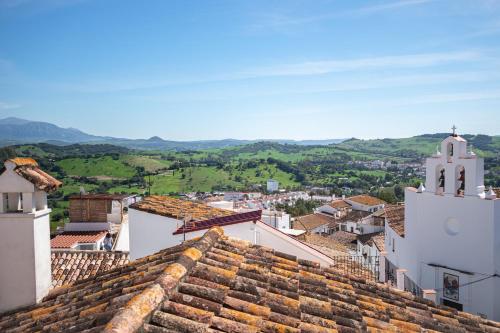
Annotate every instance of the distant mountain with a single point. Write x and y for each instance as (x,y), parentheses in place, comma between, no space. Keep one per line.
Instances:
(21,130)
(17,131)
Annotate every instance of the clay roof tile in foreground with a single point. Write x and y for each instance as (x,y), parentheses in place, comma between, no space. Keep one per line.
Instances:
(29,170)
(395,215)
(179,209)
(366,200)
(69,266)
(219,284)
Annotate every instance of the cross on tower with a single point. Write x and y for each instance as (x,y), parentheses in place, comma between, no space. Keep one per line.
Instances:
(454,128)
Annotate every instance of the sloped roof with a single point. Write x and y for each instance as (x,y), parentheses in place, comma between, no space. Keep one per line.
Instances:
(29,170)
(69,266)
(395,215)
(379,241)
(366,200)
(339,204)
(179,209)
(68,239)
(369,238)
(312,221)
(219,284)
(220,221)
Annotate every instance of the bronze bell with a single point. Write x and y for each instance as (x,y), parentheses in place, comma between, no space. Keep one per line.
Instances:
(441,179)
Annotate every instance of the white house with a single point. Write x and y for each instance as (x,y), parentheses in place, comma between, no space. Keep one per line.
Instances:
(369,247)
(25,262)
(450,240)
(337,208)
(272,185)
(158,222)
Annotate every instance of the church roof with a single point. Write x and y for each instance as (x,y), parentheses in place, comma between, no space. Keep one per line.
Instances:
(219,284)
(29,170)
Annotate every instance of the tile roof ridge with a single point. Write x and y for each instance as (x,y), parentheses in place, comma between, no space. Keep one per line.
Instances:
(140,307)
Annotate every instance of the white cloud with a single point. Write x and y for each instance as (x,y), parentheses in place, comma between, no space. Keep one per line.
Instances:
(279,20)
(8,106)
(330,66)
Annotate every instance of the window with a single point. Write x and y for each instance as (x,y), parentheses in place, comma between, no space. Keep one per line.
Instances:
(89,247)
(393,245)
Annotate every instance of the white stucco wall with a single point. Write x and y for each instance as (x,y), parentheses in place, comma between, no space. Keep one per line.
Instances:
(150,233)
(461,233)
(25,274)
(122,242)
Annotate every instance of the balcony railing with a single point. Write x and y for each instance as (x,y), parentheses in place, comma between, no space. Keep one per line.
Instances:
(366,267)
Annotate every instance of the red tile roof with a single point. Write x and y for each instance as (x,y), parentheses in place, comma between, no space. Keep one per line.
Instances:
(29,170)
(179,209)
(312,221)
(366,200)
(68,239)
(220,221)
(395,215)
(69,266)
(339,204)
(219,284)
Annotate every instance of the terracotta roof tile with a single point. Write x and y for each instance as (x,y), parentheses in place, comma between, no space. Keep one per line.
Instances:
(379,241)
(339,204)
(68,239)
(395,215)
(220,221)
(28,169)
(312,221)
(69,266)
(219,284)
(366,200)
(179,209)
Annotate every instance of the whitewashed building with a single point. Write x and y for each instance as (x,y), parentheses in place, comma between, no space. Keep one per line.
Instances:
(158,222)
(25,259)
(272,185)
(448,243)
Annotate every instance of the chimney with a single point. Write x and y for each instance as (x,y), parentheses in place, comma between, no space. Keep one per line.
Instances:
(25,274)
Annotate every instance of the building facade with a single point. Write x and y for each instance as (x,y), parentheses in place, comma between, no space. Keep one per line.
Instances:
(451,238)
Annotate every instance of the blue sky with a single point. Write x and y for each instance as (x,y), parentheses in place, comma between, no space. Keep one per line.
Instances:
(253,69)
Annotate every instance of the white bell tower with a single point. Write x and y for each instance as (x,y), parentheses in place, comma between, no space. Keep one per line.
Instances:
(25,263)
(454,170)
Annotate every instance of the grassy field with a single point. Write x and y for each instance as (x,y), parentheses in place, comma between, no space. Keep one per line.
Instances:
(104,167)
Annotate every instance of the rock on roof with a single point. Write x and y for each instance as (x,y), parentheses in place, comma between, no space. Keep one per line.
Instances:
(69,266)
(179,209)
(395,215)
(219,284)
(68,239)
(366,200)
(312,221)
(29,170)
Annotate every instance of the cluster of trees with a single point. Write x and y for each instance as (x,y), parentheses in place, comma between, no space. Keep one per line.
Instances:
(301,207)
